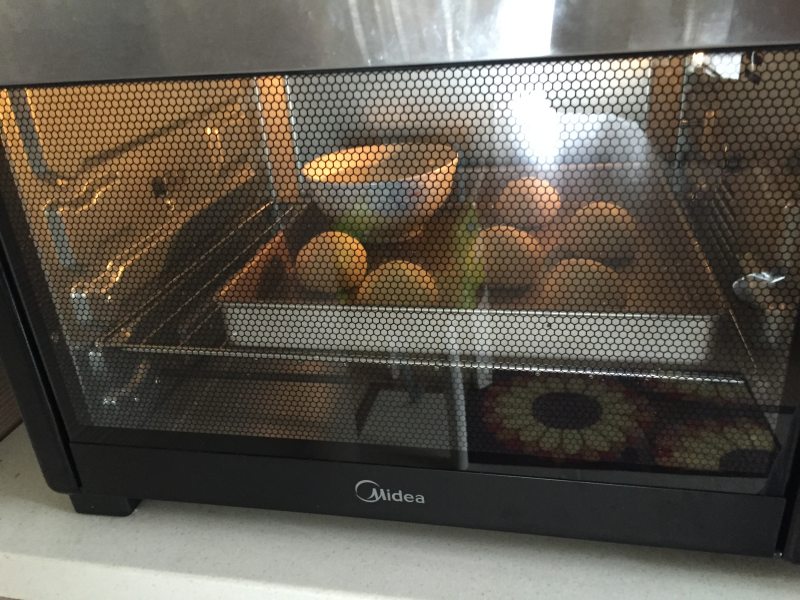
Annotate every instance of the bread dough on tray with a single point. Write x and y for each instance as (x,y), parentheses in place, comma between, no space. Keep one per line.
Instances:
(331,261)
(578,284)
(510,257)
(399,283)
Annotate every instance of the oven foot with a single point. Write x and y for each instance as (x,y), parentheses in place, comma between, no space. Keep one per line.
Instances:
(109,506)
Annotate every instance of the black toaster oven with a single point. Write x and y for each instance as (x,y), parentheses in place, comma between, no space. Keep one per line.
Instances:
(523,266)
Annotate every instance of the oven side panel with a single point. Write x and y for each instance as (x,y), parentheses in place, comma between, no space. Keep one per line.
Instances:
(790,541)
(32,390)
(31,338)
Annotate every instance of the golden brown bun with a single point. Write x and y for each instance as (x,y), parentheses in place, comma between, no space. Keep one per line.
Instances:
(331,261)
(528,203)
(509,257)
(399,283)
(578,284)
(600,231)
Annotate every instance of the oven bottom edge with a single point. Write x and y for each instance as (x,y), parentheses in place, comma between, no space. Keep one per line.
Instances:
(690,519)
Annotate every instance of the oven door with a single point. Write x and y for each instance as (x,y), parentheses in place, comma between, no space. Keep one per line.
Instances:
(579,271)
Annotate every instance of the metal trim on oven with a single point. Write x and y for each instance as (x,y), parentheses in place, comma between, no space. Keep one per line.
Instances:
(51,42)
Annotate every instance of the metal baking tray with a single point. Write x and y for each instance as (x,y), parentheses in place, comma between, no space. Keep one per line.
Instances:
(264,307)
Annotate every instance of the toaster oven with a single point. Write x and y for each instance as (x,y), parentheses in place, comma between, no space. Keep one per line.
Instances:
(522,266)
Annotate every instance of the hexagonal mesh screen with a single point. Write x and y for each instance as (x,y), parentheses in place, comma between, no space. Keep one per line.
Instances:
(557,264)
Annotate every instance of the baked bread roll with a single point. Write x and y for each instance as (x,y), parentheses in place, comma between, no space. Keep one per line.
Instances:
(509,257)
(330,262)
(399,283)
(601,231)
(528,203)
(578,284)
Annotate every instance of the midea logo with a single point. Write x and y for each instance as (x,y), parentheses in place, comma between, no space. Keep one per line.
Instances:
(369,491)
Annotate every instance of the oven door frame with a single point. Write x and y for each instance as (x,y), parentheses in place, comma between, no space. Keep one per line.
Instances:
(90,472)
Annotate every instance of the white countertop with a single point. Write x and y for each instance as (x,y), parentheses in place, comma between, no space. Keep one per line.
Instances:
(170,550)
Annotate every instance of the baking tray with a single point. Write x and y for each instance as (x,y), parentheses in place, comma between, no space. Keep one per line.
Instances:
(263,306)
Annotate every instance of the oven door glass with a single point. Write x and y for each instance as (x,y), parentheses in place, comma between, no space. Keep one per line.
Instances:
(580,269)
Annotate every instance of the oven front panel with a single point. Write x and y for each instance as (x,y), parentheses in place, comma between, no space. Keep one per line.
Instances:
(577,269)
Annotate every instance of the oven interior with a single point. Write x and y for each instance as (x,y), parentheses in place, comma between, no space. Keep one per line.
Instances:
(581,269)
